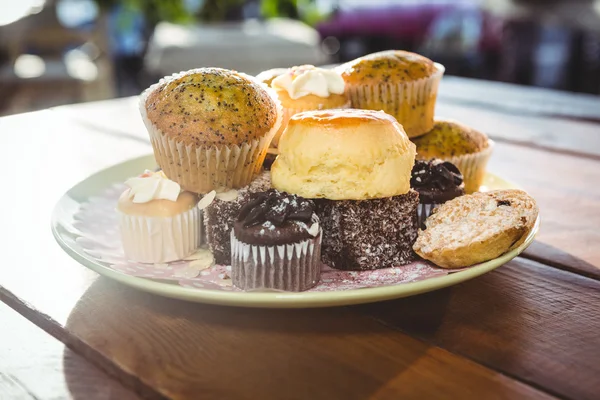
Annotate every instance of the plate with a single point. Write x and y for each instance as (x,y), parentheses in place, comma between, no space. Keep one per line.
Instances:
(63,219)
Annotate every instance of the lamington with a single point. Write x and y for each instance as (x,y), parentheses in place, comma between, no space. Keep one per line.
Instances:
(221,213)
(368,234)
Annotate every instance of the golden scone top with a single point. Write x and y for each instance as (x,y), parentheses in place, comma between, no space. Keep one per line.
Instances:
(345,154)
(387,66)
(449,138)
(342,117)
(212,106)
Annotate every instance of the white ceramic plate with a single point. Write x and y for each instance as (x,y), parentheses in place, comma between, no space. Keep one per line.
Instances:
(69,204)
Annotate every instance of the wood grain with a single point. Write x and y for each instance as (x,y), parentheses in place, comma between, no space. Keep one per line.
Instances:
(34,365)
(239,353)
(557,258)
(525,320)
(567,194)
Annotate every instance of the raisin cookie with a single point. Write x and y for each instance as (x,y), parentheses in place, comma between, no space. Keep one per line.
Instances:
(475,228)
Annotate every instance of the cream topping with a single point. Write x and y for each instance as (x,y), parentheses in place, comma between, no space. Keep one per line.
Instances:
(305,80)
(152,186)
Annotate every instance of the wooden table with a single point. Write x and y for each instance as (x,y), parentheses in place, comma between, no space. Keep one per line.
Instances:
(530,329)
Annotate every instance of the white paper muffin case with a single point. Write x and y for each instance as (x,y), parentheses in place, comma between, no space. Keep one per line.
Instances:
(423,212)
(293,267)
(200,169)
(160,239)
(411,103)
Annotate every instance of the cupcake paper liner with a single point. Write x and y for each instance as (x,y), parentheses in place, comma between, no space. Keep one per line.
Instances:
(411,103)
(200,169)
(424,210)
(293,267)
(160,239)
(289,112)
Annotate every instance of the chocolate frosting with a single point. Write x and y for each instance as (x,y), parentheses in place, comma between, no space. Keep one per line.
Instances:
(436,181)
(274,218)
(435,174)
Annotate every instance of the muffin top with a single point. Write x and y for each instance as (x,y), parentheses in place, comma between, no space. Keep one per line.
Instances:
(211,106)
(344,155)
(450,138)
(436,181)
(276,218)
(267,76)
(387,66)
(308,80)
(152,194)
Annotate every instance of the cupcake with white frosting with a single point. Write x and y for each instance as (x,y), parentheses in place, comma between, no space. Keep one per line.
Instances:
(159,222)
(306,88)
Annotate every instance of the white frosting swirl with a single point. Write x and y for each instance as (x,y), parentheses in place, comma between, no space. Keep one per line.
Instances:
(305,80)
(152,186)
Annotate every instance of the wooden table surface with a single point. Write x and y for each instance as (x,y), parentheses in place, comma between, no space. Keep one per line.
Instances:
(530,329)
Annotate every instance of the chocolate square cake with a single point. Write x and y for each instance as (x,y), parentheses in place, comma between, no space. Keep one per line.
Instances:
(220,215)
(368,234)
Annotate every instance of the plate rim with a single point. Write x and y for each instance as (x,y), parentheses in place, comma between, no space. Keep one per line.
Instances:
(272,299)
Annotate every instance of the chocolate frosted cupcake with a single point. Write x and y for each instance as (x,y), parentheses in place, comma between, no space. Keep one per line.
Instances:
(437,182)
(276,243)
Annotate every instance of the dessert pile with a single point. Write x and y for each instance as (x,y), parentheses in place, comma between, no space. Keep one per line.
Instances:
(280,173)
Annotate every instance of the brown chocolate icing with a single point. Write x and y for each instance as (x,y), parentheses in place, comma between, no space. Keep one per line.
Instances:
(275,218)
(436,181)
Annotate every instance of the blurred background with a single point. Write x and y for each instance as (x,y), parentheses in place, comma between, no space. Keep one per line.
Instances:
(55,52)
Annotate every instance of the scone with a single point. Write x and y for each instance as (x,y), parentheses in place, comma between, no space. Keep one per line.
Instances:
(158,221)
(356,164)
(401,83)
(344,155)
(276,243)
(307,88)
(463,146)
(475,228)
(210,127)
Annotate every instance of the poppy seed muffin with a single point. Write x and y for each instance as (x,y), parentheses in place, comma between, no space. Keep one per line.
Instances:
(401,83)
(459,144)
(210,127)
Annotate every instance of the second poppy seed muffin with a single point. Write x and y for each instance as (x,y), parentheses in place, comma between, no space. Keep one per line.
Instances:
(401,83)
(210,127)
(461,145)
